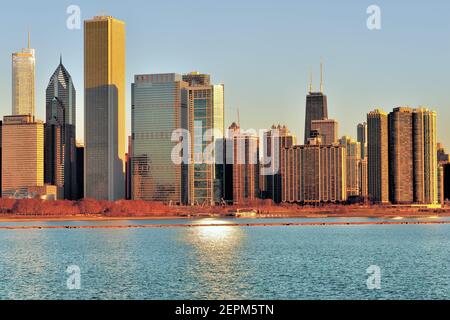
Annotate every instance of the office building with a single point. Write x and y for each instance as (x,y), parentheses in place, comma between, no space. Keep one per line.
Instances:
(60,162)
(104,94)
(316,106)
(22,154)
(205,105)
(23,81)
(157,114)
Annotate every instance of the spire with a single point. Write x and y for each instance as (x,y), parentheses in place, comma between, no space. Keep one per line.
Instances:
(321,75)
(60,58)
(29,39)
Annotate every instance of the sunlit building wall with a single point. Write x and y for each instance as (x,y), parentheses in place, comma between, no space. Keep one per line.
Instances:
(23,82)
(353,151)
(314,174)
(327,129)
(156,112)
(22,153)
(104,81)
(378,156)
(205,104)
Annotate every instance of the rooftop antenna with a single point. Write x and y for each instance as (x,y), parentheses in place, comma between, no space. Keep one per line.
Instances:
(28,38)
(321,75)
(310,80)
(238,118)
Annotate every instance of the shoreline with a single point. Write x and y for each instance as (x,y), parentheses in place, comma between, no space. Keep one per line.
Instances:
(275,215)
(270,224)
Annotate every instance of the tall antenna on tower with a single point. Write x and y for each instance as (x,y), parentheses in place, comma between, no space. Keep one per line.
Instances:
(310,80)
(238,118)
(321,75)
(29,38)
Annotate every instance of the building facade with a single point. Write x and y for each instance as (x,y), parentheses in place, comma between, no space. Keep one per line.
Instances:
(314,174)
(157,112)
(413,156)
(23,81)
(353,162)
(378,156)
(327,130)
(242,159)
(205,105)
(60,134)
(316,109)
(275,140)
(22,154)
(104,81)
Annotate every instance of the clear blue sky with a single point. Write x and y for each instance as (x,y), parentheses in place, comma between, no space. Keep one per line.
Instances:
(261,50)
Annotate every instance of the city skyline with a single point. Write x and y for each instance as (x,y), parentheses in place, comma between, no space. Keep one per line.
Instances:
(249,96)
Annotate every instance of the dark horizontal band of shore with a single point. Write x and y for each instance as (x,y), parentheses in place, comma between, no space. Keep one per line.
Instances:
(271,224)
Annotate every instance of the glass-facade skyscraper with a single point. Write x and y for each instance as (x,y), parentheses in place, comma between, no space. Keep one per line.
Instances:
(60,144)
(157,111)
(205,104)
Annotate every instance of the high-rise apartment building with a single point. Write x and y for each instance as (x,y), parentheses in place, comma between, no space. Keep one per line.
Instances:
(413,156)
(353,160)
(425,156)
(205,105)
(327,130)
(314,173)
(401,160)
(242,158)
(378,156)
(23,81)
(104,82)
(22,154)
(157,112)
(362,138)
(60,141)
(275,139)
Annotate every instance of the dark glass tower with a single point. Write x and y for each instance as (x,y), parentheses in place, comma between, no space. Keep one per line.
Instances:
(60,148)
(316,106)
(316,109)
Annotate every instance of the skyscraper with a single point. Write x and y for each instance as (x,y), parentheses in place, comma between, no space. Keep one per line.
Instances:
(327,129)
(316,106)
(425,156)
(242,152)
(362,138)
(205,104)
(22,154)
(378,156)
(104,82)
(23,81)
(363,173)
(275,139)
(157,112)
(60,144)
(401,166)
(353,159)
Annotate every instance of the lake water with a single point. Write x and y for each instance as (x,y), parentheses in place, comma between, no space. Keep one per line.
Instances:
(226,262)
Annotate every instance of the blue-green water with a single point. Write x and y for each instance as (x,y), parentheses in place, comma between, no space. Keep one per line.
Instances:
(227,262)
